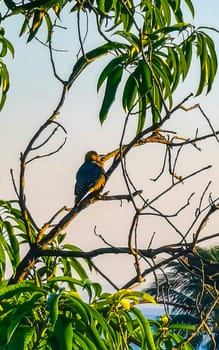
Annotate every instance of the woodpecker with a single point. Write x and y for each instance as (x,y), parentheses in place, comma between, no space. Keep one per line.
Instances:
(90,176)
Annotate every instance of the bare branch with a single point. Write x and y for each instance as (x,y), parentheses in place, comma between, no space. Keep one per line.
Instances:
(104,275)
(48,154)
(53,62)
(177,183)
(13,182)
(212,209)
(209,122)
(127,197)
(79,33)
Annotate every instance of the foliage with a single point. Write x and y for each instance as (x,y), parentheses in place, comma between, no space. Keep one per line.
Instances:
(48,311)
(194,289)
(5,47)
(152,55)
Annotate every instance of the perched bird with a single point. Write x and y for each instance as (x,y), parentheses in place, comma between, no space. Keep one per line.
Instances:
(90,176)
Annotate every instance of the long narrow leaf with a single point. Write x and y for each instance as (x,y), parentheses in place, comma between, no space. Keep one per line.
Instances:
(109,68)
(130,91)
(147,337)
(110,92)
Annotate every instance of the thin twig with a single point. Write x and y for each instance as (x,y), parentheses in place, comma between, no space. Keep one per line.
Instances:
(13,182)
(104,275)
(48,154)
(209,122)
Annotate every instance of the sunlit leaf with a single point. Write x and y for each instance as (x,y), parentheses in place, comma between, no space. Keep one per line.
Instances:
(13,290)
(21,338)
(190,6)
(84,342)
(19,313)
(93,55)
(36,23)
(52,304)
(64,333)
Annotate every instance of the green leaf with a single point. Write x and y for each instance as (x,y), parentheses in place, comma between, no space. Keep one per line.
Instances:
(174,64)
(211,74)
(101,6)
(108,5)
(187,48)
(131,38)
(2,101)
(162,72)
(6,45)
(49,26)
(112,84)
(183,326)
(130,91)
(72,247)
(13,290)
(77,307)
(84,342)
(142,113)
(36,23)
(3,246)
(64,333)
(109,68)
(5,77)
(162,77)
(4,48)
(179,14)
(93,55)
(166,10)
(183,68)
(21,338)
(20,312)
(4,83)
(96,317)
(16,212)
(146,77)
(13,242)
(211,61)
(53,307)
(97,340)
(24,27)
(203,80)
(66,279)
(190,6)
(127,20)
(78,268)
(155,115)
(175,27)
(202,50)
(147,336)
(97,288)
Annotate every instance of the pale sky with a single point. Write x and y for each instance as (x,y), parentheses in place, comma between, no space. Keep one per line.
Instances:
(50,182)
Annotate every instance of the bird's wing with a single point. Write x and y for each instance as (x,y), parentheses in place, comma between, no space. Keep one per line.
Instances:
(87,176)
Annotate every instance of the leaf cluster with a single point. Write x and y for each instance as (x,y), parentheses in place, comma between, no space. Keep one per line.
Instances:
(49,312)
(50,317)
(152,55)
(5,47)
(193,292)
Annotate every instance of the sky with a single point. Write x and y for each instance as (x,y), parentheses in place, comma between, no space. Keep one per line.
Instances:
(33,96)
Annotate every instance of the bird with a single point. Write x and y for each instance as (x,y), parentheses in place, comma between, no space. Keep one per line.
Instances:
(90,177)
